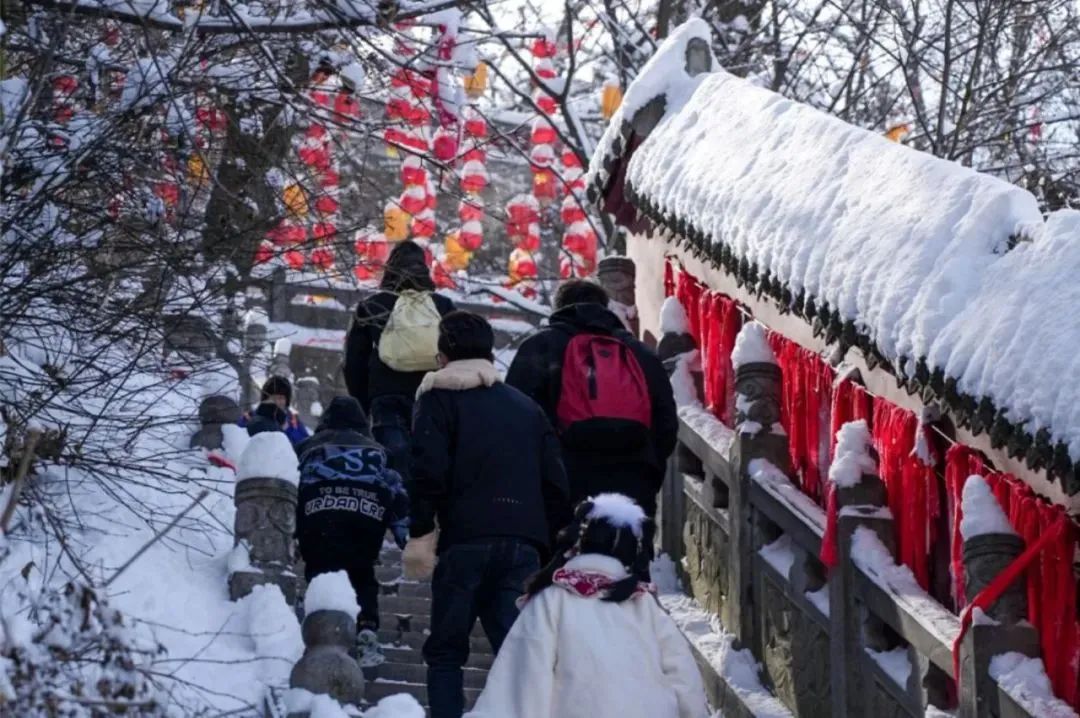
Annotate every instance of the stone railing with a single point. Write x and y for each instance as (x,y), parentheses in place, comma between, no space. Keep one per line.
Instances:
(859,640)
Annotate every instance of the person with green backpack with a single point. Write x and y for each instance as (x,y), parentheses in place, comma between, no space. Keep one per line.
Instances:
(391,344)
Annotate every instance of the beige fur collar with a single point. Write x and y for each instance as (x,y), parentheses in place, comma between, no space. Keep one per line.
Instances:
(461,375)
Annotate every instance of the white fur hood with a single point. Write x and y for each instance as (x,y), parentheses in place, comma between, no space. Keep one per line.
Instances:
(460,376)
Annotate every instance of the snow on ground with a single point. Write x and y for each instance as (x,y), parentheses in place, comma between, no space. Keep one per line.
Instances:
(1026,682)
(738,667)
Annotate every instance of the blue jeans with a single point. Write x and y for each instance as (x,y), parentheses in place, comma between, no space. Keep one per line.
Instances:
(472,580)
(391,426)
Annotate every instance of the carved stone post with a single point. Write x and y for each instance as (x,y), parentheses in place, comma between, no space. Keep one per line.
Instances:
(758,382)
(264,527)
(617,275)
(326,666)
(305,398)
(861,502)
(214,411)
(985,555)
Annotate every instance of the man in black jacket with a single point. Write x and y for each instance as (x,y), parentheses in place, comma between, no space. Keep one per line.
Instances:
(486,464)
(385,393)
(348,498)
(632,467)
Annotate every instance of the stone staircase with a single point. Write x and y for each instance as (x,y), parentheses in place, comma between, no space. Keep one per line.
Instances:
(405,615)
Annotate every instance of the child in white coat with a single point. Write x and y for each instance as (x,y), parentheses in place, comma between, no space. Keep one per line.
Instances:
(591,641)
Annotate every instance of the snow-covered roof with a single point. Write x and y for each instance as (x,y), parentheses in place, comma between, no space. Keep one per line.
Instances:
(948,278)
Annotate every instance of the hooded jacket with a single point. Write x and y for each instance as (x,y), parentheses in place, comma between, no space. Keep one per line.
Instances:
(347,497)
(537,371)
(486,461)
(587,657)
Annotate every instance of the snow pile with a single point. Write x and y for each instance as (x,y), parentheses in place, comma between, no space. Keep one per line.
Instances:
(704,423)
(618,510)
(299,700)
(235,440)
(331,592)
(664,74)
(283,347)
(912,248)
(683,385)
(1026,682)
(896,663)
(673,319)
(269,455)
(275,631)
(779,554)
(982,514)
(738,668)
(752,346)
(400,706)
(853,460)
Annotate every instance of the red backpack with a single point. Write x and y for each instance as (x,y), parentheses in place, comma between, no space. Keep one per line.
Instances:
(604,402)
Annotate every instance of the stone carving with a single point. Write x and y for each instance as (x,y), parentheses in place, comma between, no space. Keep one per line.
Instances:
(984,558)
(265,523)
(698,57)
(214,411)
(759,387)
(706,547)
(326,666)
(795,650)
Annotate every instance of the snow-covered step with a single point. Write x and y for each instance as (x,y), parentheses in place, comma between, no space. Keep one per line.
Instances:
(390,637)
(413,656)
(377,690)
(412,673)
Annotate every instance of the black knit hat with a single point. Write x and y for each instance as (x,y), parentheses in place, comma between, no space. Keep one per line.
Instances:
(277,386)
(344,412)
(464,335)
(267,416)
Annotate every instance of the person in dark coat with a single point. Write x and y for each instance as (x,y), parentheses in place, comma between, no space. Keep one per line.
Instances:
(388,395)
(275,413)
(632,467)
(348,498)
(487,468)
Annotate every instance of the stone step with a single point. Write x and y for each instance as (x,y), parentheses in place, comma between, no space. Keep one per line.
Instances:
(415,605)
(390,638)
(419,623)
(377,690)
(411,673)
(405,588)
(415,657)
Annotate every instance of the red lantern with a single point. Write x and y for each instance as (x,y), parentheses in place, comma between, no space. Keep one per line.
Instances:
(294,259)
(363,271)
(413,200)
(395,136)
(542,47)
(546,103)
(323,230)
(543,133)
(475,155)
(293,234)
(476,127)
(346,107)
(570,159)
(530,241)
(322,258)
(412,175)
(572,211)
(470,212)
(65,85)
(330,179)
(397,108)
(316,132)
(545,69)
(317,156)
(169,192)
(320,98)
(264,253)
(471,235)
(423,224)
(417,115)
(542,157)
(474,177)
(544,184)
(444,145)
(326,204)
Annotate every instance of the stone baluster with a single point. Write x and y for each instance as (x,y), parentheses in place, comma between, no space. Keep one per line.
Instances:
(617,275)
(758,385)
(214,411)
(862,504)
(326,666)
(264,527)
(1004,628)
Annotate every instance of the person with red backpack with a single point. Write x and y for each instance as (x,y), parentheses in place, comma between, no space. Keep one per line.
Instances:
(606,394)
